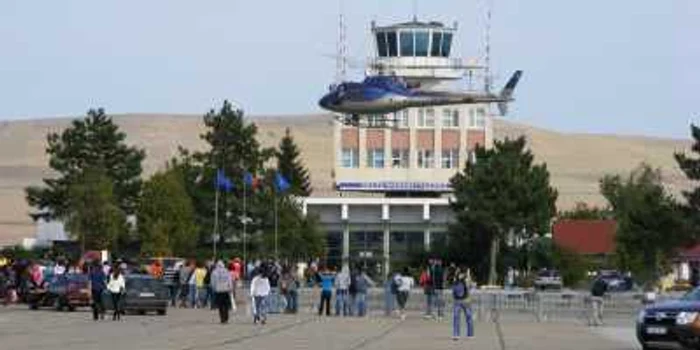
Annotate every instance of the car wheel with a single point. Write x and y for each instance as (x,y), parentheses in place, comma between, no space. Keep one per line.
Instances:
(162,312)
(58,304)
(71,308)
(649,347)
(33,306)
(142,312)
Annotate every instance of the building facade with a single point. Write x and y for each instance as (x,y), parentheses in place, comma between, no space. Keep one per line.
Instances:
(405,159)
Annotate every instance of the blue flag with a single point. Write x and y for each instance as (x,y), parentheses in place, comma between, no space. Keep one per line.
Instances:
(248,179)
(223,182)
(281,183)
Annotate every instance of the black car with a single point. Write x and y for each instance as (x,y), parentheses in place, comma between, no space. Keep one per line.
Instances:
(616,281)
(143,294)
(671,322)
(65,291)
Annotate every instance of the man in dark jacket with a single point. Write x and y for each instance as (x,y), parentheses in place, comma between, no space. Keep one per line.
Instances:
(600,287)
(437,279)
(98,283)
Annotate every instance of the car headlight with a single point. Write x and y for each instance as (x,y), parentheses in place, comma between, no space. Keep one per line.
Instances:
(684,318)
(641,315)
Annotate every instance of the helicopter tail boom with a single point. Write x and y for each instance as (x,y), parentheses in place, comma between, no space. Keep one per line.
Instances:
(507,92)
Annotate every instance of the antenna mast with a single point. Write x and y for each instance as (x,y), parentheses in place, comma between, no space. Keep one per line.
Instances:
(415,10)
(487,49)
(341,57)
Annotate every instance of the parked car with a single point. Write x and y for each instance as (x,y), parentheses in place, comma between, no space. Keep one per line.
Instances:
(68,291)
(670,323)
(616,281)
(143,294)
(548,279)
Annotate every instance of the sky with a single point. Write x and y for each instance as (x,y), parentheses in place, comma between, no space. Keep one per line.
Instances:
(623,66)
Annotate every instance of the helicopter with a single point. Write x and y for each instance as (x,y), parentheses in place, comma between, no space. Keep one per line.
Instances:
(382,94)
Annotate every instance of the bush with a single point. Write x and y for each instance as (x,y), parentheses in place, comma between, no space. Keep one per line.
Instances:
(572,266)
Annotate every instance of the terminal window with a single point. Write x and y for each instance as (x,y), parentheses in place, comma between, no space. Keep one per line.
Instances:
(436,45)
(393,43)
(425,158)
(399,158)
(401,119)
(350,158)
(375,158)
(477,118)
(426,118)
(382,48)
(450,118)
(446,44)
(450,158)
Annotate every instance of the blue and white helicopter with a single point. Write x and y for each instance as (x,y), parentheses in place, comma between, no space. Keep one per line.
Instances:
(387,94)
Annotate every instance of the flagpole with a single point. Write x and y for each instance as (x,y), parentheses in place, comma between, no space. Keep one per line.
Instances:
(245,222)
(276,220)
(216,220)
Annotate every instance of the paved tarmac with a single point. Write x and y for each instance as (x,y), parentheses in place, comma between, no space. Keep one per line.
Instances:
(185,329)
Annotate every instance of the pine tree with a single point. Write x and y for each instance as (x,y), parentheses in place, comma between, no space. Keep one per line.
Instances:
(94,142)
(691,167)
(291,167)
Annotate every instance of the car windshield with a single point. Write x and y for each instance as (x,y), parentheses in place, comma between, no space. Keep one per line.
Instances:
(141,284)
(693,295)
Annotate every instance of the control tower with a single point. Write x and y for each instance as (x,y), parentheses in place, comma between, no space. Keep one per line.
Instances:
(419,52)
(413,152)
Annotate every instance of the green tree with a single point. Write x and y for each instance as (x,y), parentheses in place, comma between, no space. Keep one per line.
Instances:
(92,214)
(166,216)
(691,168)
(502,193)
(291,167)
(584,212)
(651,227)
(93,142)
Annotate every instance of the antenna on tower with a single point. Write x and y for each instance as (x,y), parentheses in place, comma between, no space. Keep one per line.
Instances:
(415,10)
(342,47)
(487,50)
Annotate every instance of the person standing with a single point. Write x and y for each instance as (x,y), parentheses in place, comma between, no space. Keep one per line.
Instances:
(201,295)
(461,303)
(222,286)
(98,284)
(424,281)
(327,280)
(362,283)
(290,287)
(405,284)
(260,292)
(437,280)
(185,275)
(116,287)
(600,287)
(342,284)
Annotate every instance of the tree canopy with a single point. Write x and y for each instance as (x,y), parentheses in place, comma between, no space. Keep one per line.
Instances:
(499,195)
(166,216)
(94,142)
(651,227)
(290,165)
(92,215)
(690,165)
(583,211)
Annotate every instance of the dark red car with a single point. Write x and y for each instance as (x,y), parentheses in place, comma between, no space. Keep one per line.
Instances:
(68,291)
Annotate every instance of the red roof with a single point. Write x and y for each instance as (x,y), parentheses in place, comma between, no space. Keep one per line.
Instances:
(585,236)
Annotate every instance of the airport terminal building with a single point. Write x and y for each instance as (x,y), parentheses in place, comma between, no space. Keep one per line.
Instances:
(392,172)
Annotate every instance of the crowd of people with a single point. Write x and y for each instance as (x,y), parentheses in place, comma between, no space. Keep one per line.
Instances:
(270,286)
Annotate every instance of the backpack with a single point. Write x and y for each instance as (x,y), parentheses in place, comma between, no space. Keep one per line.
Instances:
(460,290)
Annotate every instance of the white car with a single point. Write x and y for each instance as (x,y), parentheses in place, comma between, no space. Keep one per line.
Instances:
(548,279)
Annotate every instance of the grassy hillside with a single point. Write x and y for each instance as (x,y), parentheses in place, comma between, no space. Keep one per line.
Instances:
(576,161)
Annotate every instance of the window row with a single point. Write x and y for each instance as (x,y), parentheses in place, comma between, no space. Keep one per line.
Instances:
(426,118)
(400,158)
(414,43)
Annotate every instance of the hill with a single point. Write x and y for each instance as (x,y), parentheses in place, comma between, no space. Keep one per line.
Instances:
(576,161)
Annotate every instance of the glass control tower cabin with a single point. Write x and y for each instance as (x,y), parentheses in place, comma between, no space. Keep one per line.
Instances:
(414,152)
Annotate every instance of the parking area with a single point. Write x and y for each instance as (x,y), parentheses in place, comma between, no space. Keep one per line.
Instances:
(186,329)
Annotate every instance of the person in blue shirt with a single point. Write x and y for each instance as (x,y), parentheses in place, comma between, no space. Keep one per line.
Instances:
(98,283)
(327,280)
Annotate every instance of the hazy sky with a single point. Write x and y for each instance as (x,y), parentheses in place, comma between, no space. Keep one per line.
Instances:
(623,66)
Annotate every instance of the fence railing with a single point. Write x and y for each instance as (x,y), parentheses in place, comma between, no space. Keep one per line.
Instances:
(539,306)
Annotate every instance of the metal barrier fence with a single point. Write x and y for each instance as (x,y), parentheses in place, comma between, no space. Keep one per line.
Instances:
(537,306)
